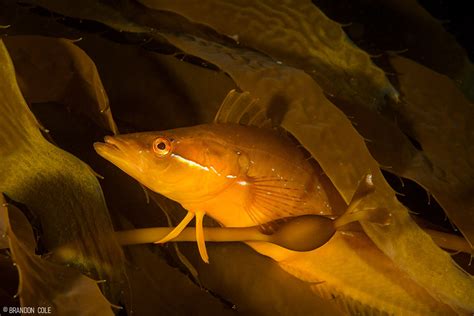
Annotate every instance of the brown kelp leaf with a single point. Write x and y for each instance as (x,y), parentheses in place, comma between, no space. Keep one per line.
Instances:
(346,262)
(206,93)
(58,188)
(341,152)
(402,249)
(3,240)
(161,88)
(137,75)
(255,284)
(155,286)
(439,117)
(61,290)
(295,33)
(56,70)
(22,20)
(407,27)
(93,10)
(386,142)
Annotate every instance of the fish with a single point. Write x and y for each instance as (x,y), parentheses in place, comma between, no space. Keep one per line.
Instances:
(239,175)
(245,175)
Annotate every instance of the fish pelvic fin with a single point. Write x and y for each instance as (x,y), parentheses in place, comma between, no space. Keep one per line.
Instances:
(200,237)
(178,229)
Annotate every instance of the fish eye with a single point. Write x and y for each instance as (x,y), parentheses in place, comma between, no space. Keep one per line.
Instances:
(162,146)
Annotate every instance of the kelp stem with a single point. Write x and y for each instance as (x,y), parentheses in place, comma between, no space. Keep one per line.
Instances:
(233,234)
(218,234)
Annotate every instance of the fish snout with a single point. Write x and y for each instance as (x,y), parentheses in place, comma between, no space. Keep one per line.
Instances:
(111,144)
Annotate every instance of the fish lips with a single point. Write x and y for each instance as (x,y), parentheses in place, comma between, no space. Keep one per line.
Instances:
(110,149)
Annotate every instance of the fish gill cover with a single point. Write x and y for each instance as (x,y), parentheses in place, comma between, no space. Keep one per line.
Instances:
(164,64)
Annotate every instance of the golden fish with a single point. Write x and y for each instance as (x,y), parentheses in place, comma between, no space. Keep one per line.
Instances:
(245,176)
(239,175)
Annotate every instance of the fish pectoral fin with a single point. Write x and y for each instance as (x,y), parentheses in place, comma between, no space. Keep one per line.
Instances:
(200,237)
(178,229)
(271,198)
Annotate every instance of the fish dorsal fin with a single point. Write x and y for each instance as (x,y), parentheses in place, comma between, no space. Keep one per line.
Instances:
(242,108)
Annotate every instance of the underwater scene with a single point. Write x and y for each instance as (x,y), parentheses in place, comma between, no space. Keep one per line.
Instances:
(236,157)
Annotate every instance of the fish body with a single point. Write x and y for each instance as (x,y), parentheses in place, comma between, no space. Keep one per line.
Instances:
(239,175)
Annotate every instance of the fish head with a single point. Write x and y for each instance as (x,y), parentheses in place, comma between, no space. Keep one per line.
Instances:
(183,164)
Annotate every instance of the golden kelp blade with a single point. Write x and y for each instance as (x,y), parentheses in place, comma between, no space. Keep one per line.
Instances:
(403,21)
(295,33)
(350,270)
(42,283)
(342,154)
(56,70)
(440,119)
(291,98)
(56,186)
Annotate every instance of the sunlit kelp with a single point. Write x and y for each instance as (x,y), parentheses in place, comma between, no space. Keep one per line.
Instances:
(438,115)
(59,289)
(35,171)
(340,270)
(442,165)
(295,33)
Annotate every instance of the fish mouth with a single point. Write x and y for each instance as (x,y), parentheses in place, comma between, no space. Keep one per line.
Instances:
(111,145)
(112,142)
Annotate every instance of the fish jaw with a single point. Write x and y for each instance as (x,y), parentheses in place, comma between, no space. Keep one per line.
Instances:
(110,150)
(117,151)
